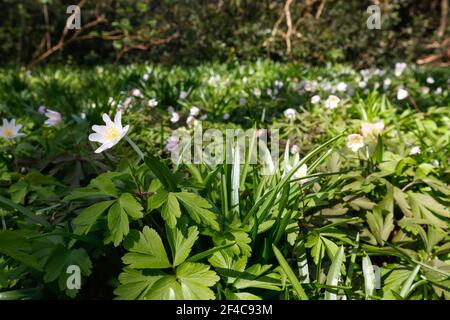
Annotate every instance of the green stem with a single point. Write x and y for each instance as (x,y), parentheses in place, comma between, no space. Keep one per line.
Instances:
(135,148)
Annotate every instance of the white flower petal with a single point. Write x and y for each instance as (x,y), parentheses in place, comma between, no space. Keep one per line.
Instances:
(104,147)
(95,137)
(118,119)
(107,119)
(98,129)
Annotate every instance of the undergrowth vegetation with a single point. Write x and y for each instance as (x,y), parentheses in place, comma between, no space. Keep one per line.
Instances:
(355,208)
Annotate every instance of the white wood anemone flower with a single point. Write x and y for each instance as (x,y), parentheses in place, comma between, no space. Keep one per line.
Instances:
(332,102)
(9,129)
(402,94)
(110,134)
(290,113)
(355,142)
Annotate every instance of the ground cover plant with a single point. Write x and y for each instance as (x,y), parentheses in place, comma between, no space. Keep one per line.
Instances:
(357,207)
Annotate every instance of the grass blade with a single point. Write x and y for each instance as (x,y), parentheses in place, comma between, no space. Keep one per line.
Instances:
(290,274)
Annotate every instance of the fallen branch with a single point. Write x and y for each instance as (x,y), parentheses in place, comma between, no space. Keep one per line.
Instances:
(62,40)
(434,57)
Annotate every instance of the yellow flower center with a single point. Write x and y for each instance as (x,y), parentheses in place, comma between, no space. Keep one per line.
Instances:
(356,139)
(7,132)
(111,133)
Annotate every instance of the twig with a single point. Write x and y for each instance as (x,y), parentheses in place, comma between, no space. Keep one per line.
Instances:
(287,37)
(321,7)
(409,185)
(415,104)
(443,22)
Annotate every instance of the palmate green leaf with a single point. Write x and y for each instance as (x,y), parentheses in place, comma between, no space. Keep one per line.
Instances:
(131,206)
(240,238)
(436,184)
(290,274)
(159,197)
(401,200)
(146,251)
(135,284)
(440,282)
(380,226)
(87,218)
(197,207)
(317,247)
(103,185)
(425,208)
(58,261)
(181,246)
(228,265)
(434,236)
(392,280)
(320,245)
(195,280)
(118,222)
(425,200)
(334,274)
(171,210)
(190,282)
(166,288)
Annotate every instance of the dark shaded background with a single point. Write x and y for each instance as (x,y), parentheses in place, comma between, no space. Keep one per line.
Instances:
(190,32)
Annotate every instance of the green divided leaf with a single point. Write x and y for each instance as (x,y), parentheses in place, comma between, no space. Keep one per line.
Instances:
(195,280)
(84,222)
(191,282)
(197,207)
(171,210)
(135,284)
(131,206)
(105,184)
(58,261)
(146,251)
(381,226)
(181,246)
(118,224)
